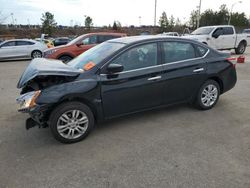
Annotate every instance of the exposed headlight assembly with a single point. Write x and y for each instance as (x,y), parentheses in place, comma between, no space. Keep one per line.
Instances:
(27,100)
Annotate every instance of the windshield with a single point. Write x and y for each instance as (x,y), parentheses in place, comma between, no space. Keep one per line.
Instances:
(74,41)
(203,31)
(95,55)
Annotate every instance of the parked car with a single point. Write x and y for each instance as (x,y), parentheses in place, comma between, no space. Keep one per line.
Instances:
(175,34)
(221,38)
(79,45)
(61,41)
(120,77)
(48,42)
(21,49)
(246,31)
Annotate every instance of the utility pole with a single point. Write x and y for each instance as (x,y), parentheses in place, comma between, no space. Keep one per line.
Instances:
(199,15)
(155,13)
(231,12)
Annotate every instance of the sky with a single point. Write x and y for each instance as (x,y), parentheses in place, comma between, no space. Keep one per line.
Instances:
(104,12)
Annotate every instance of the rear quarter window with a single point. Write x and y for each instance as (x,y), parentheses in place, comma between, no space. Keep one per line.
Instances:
(228,31)
(201,51)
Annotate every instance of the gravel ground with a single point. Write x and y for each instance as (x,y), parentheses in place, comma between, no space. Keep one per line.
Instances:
(172,147)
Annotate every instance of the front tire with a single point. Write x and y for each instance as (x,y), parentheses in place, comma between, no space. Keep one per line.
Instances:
(241,48)
(71,122)
(208,95)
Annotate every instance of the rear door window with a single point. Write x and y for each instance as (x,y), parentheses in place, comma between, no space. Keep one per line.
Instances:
(178,51)
(23,43)
(228,31)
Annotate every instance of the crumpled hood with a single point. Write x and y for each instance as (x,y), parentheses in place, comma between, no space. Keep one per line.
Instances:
(46,67)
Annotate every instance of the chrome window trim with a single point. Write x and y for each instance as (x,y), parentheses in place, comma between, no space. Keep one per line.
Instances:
(155,66)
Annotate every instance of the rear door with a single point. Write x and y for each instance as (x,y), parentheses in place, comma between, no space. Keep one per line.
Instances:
(184,70)
(229,37)
(24,48)
(138,87)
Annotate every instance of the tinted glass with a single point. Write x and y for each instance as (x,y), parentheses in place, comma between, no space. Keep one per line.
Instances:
(103,38)
(178,51)
(138,57)
(90,40)
(201,51)
(228,31)
(23,43)
(8,44)
(218,32)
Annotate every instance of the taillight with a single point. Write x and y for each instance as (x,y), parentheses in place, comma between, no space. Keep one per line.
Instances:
(234,60)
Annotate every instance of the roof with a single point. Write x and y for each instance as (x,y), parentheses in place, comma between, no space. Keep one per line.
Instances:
(219,26)
(30,40)
(133,39)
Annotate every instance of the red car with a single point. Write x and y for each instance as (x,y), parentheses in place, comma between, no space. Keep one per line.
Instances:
(79,45)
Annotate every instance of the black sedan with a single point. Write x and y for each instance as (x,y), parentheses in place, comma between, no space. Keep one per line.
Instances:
(120,77)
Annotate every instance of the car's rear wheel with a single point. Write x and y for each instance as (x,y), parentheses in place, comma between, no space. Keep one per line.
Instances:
(36,54)
(65,58)
(71,122)
(241,48)
(208,95)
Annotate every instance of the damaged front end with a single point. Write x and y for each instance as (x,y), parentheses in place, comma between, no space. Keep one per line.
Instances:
(39,75)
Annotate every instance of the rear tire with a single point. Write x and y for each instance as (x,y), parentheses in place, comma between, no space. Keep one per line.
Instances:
(65,58)
(208,95)
(36,54)
(241,48)
(71,122)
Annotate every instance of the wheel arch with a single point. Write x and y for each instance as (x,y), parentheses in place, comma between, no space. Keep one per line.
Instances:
(65,54)
(78,99)
(35,50)
(219,81)
(244,41)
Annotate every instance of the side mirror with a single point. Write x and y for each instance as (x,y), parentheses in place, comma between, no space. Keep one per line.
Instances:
(114,68)
(79,44)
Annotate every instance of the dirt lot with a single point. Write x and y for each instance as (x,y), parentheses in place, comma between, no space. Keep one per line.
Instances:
(172,147)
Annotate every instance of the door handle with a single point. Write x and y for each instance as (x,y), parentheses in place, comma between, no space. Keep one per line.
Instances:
(154,78)
(198,70)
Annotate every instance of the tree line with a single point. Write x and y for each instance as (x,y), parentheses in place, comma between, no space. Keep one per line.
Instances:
(208,17)
(49,23)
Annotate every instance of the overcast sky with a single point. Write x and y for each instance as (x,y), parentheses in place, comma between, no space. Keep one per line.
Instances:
(104,12)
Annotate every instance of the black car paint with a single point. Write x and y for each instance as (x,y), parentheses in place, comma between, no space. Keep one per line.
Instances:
(114,95)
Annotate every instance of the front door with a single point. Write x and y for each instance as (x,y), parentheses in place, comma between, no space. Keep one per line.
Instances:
(138,87)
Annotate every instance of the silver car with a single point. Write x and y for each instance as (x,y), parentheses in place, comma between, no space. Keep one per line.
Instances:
(21,49)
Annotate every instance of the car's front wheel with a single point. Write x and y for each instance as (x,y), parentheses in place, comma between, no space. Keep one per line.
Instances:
(208,95)
(71,122)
